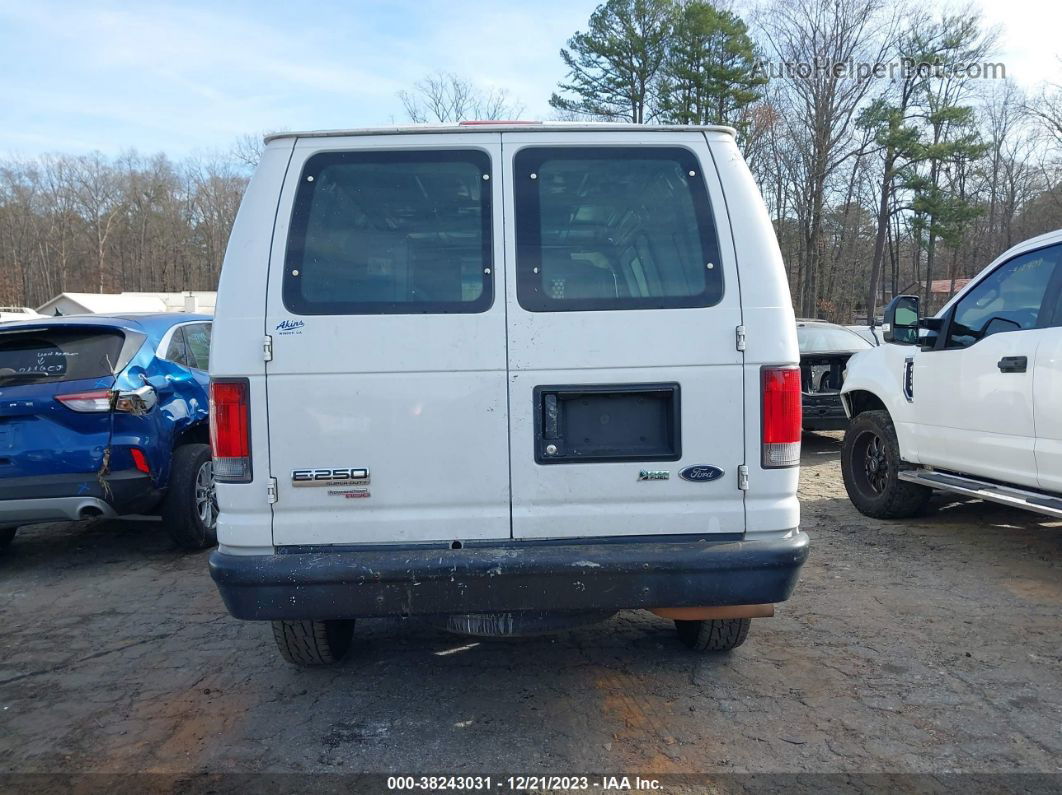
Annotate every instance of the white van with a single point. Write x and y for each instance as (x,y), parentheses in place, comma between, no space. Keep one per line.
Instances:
(512,376)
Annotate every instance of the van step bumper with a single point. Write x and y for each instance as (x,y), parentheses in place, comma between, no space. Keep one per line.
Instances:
(603,574)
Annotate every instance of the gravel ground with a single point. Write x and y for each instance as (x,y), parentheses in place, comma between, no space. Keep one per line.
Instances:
(930,646)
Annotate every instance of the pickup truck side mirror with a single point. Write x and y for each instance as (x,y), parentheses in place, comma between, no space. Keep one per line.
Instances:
(900,324)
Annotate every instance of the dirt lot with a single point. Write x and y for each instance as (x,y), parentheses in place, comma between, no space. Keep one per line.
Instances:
(934,646)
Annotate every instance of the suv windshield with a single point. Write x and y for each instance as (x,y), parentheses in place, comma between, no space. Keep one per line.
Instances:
(54,354)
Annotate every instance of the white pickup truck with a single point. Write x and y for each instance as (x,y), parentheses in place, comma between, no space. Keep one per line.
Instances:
(968,401)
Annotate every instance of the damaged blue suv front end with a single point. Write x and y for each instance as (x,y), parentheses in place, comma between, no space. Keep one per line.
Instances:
(92,409)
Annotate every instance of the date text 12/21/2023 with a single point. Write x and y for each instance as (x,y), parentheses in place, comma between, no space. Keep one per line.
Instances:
(522,783)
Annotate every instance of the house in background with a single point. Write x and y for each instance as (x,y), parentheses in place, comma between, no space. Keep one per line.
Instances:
(121,303)
(941,291)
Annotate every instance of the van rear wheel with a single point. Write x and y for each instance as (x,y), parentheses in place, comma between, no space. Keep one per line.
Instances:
(313,643)
(713,634)
(7,535)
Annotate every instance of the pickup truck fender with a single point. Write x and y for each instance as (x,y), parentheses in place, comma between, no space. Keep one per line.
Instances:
(875,379)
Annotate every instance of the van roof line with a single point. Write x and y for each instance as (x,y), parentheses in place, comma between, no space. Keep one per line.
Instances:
(526,127)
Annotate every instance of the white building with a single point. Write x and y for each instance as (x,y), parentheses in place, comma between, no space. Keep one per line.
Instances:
(121,303)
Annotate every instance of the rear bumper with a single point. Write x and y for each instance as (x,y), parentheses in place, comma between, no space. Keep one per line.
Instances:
(606,574)
(823,412)
(69,497)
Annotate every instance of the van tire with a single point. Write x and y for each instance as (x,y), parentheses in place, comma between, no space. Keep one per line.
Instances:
(312,643)
(879,495)
(713,634)
(181,508)
(7,535)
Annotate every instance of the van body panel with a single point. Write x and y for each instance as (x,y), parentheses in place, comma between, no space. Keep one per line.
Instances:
(245,522)
(693,347)
(418,400)
(771,499)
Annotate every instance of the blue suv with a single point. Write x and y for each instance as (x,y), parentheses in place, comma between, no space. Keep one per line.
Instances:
(104,416)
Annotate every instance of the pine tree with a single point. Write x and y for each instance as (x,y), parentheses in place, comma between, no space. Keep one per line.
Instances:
(614,68)
(941,208)
(709,75)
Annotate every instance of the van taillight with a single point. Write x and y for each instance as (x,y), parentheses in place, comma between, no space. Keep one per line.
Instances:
(230,430)
(781,417)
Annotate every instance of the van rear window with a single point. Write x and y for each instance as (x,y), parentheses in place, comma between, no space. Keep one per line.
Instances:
(614,228)
(391,233)
(52,355)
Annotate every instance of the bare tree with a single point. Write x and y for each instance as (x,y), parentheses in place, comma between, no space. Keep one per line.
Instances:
(813,39)
(1047,108)
(139,223)
(247,150)
(97,191)
(444,97)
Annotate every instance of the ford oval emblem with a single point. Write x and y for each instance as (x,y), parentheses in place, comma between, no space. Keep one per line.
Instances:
(701,473)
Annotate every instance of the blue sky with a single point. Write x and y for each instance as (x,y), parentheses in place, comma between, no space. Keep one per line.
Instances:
(190,76)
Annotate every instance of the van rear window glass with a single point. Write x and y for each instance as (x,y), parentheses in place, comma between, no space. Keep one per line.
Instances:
(614,228)
(50,355)
(391,233)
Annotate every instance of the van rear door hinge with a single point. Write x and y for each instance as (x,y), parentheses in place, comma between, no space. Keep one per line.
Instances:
(267,348)
(271,491)
(740,337)
(743,478)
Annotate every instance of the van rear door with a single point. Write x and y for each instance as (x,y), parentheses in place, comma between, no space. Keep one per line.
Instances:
(626,394)
(386,316)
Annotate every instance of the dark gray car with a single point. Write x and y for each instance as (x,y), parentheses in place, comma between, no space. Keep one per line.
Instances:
(825,349)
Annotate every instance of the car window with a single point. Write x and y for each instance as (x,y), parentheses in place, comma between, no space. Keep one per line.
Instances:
(197,343)
(1008,299)
(48,355)
(391,233)
(1053,309)
(814,338)
(609,228)
(177,350)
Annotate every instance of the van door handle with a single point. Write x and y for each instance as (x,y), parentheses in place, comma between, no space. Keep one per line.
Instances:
(1013,364)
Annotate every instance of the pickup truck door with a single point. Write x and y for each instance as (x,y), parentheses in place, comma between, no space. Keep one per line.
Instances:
(1047,394)
(973,392)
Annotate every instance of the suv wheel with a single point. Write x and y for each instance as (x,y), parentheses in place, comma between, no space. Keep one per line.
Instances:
(870,465)
(190,510)
(714,634)
(312,643)
(7,535)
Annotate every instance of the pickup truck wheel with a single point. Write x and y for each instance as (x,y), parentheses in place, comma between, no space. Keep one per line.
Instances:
(190,510)
(870,464)
(714,634)
(311,643)
(7,535)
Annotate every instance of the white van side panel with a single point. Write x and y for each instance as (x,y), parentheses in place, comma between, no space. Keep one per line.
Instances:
(694,347)
(419,400)
(770,502)
(244,525)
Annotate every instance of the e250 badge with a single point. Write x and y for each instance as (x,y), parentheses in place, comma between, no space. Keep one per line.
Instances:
(342,476)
